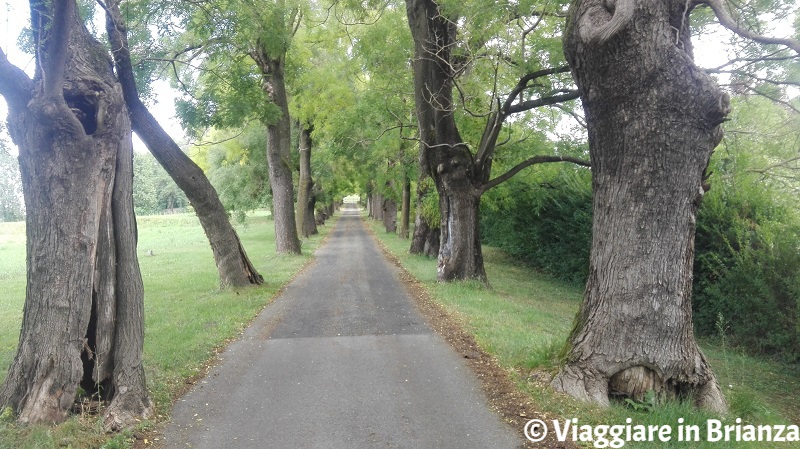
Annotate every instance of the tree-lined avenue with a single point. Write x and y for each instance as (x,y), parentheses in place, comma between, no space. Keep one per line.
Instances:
(340,359)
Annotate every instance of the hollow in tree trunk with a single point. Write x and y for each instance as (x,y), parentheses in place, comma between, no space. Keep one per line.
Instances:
(653,119)
(83,318)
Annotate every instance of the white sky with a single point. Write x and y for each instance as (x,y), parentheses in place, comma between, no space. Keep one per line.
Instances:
(16,15)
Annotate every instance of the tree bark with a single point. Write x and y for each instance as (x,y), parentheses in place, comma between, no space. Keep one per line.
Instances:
(390,215)
(405,214)
(279,156)
(377,205)
(233,265)
(83,315)
(305,203)
(421,228)
(653,119)
(443,153)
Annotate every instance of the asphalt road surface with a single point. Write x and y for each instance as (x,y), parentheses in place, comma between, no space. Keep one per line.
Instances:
(341,360)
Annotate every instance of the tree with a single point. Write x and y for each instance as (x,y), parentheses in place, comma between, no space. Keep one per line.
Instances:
(233,265)
(154,191)
(306,226)
(653,119)
(83,321)
(241,76)
(460,175)
(10,186)
(236,164)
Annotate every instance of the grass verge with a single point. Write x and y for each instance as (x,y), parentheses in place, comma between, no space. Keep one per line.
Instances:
(187,318)
(524,319)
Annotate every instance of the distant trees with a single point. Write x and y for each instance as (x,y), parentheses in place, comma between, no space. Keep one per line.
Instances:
(10,185)
(154,190)
(236,164)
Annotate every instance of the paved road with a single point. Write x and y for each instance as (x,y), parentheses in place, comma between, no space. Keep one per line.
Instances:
(340,360)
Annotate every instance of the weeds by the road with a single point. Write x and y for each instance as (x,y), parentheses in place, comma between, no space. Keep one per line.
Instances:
(187,318)
(524,320)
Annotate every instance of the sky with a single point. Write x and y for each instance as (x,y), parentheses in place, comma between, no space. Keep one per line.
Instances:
(14,16)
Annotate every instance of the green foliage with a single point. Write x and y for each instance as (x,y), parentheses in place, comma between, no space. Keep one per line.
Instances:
(747,258)
(747,269)
(430,206)
(154,191)
(11,208)
(237,167)
(647,404)
(543,219)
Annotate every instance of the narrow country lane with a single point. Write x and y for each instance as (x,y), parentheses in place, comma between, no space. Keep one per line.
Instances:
(341,360)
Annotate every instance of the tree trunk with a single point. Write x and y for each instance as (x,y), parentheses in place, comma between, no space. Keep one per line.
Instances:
(421,228)
(431,245)
(443,153)
(390,215)
(233,265)
(653,120)
(460,255)
(309,221)
(279,155)
(378,205)
(405,206)
(83,316)
(305,219)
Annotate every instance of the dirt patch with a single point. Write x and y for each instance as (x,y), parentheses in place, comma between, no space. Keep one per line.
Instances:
(505,398)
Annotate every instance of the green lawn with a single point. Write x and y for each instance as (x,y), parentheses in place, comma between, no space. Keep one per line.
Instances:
(524,320)
(187,317)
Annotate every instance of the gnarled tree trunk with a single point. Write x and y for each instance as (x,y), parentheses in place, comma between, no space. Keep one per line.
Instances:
(443,153)
(653,120)
(83,320)
(306,225)
(233,265)
(390,215)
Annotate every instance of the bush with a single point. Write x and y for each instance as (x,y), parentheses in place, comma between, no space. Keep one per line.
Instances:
(546,224)
(747,269)
(747,250)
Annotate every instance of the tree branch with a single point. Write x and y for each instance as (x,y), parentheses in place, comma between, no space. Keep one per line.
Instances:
(749,61)
(496,119)
(726,20)
(15,86)
(546,101)
(590,33)
(780,164)
(522,84)
(56,61)
(527,163)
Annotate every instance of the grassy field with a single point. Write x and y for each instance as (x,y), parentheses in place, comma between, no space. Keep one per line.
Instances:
(187,317)
(525,318)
